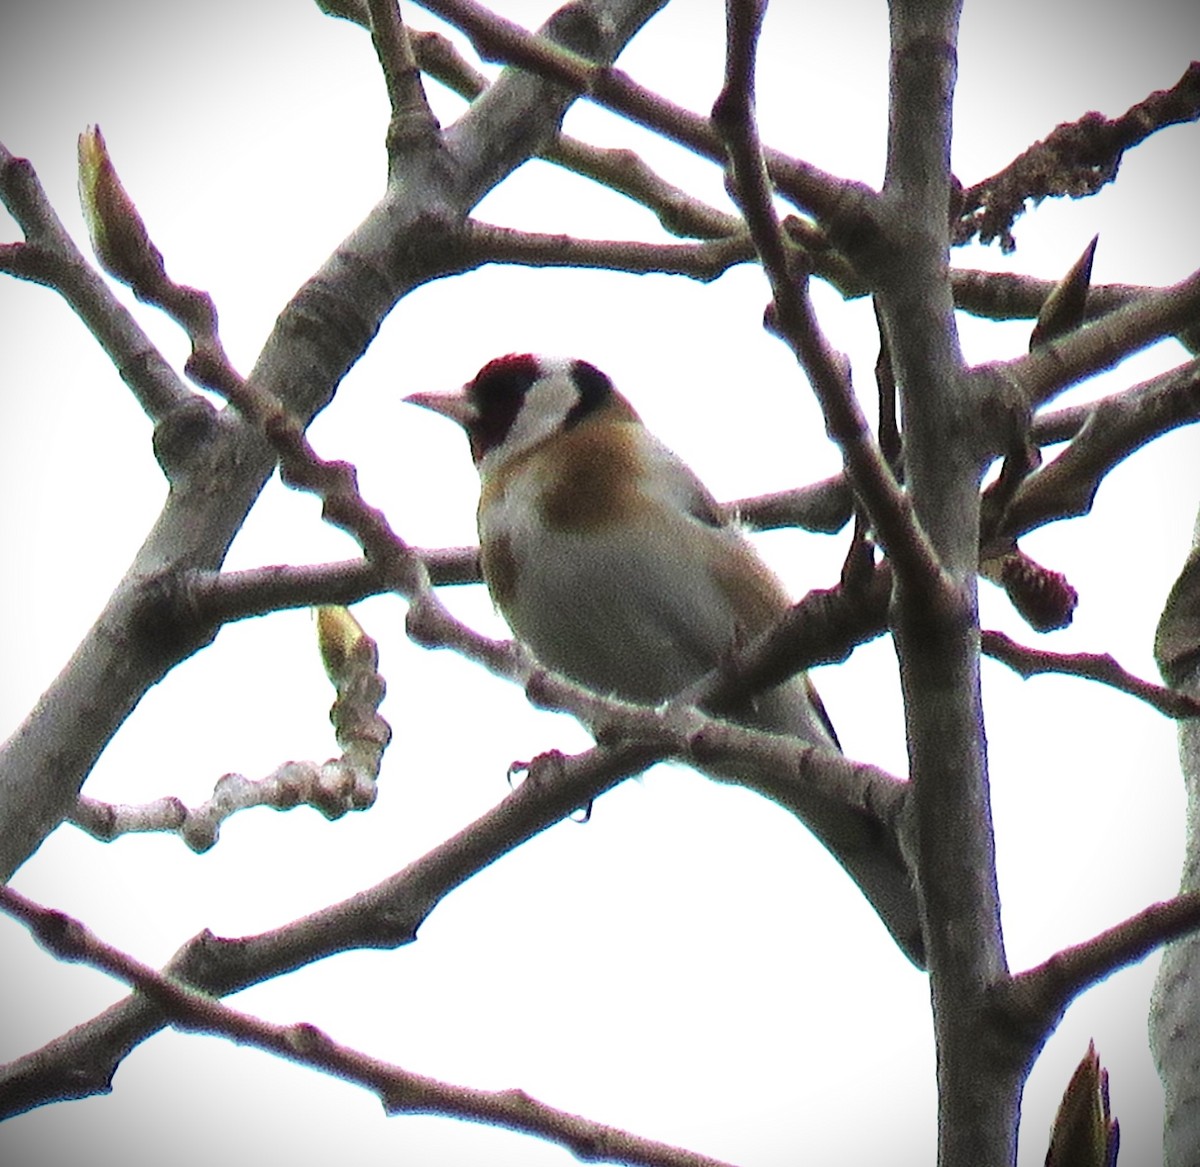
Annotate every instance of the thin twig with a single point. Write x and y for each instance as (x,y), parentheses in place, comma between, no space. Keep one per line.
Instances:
(998,295)
(620,169)
(484,243)
(824,507)
(1092,666)
(219,597)
(811,189)
(49,257)
(889,507)
(412,123)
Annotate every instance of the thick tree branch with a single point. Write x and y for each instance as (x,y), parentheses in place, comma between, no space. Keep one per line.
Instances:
(1174,1013)
(937,644)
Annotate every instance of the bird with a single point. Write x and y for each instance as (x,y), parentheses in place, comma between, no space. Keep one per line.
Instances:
(612,562)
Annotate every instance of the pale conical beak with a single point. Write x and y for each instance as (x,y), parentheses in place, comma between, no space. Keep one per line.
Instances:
(455,405)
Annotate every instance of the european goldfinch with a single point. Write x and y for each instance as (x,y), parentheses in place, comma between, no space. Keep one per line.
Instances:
(611,562)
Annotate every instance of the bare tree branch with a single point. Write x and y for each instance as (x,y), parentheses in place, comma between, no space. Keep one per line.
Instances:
(401,1091)
(1035,1000)
(789,772)
(49,256)
(217,597)
(334,787)
(626,172)
(1104,342)
(937,642)
(703,261)
(123,245)
(874,484)
(825,506)
(811,189)
(1000,295)
(622,170)
(848,206)
(1093,666)
(1077,159)
(331,787)
(388,915)
(1114,428)
(412,126)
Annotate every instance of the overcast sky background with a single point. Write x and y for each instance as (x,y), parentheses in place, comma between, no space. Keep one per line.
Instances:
(689,965)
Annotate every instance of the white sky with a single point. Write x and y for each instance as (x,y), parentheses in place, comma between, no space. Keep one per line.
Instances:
(689,964)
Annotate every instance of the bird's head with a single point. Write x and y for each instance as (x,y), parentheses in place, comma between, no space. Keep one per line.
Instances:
(519,401)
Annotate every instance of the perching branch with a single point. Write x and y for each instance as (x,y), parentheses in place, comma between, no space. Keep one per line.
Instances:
(389,914)
(401,1091)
